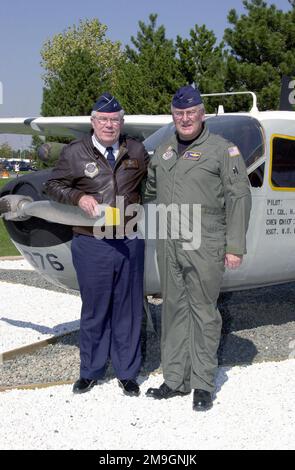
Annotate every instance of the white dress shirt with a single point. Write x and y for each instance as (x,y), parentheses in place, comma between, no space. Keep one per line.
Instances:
(103,150)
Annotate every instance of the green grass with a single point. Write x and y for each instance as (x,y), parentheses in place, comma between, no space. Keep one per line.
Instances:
(6,246)
(4,181)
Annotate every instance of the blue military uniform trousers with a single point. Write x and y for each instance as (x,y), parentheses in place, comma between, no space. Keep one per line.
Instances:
(110,277)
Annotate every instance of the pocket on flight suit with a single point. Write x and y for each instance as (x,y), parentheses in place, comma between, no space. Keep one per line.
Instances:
(213,236)
(211,267)
(239,185)
(215,247)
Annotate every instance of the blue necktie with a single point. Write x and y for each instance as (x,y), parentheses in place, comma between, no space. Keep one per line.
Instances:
(111,157)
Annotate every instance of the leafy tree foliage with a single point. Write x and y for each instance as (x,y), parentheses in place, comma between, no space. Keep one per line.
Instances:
(151,74)
(262,49)
(5,151)
(202,61)
(80,64)
(75,89)
(35,144)
(258,48)
(90,36)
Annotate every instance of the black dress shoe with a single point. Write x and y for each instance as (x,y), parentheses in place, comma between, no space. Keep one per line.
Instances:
(83,385)
(164,392)
(130,387)
(202,400)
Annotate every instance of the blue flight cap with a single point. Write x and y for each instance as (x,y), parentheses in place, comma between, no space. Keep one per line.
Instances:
(186,97)
(107,103)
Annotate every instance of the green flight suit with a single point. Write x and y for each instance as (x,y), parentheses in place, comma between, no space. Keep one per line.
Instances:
(211,172)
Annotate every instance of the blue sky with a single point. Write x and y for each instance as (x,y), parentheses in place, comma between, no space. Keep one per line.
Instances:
(25,26)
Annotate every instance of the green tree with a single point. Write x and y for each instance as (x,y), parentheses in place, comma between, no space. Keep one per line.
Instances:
(5,151)
(36,143)
(203,62)
(262,49)
(74,90)
(90,36)
(150,75)
(79,64)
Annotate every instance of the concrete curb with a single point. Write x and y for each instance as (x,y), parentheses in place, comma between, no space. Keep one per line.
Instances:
(31,348)
(34,386)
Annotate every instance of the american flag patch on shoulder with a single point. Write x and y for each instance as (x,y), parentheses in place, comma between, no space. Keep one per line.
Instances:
(233,151)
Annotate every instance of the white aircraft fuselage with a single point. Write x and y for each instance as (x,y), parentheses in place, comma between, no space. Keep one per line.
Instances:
(267,142)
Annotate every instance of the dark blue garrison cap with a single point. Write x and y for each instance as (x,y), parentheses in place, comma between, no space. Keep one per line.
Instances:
(107,103)
(186,97)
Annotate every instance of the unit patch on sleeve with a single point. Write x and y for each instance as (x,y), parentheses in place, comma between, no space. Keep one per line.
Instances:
(233,151)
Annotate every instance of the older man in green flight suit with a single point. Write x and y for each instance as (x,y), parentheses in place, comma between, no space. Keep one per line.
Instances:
(196,167)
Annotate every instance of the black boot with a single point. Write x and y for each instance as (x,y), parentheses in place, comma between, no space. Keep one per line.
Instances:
(202,400)
(130,387)
(83,385)
(164,392)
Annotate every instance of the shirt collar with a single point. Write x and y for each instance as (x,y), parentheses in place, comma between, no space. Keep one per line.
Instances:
(102,149)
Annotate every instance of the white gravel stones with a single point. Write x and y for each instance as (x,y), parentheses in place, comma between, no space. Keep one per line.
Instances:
(20,264)
(254,406)
(29,314)
(254,409)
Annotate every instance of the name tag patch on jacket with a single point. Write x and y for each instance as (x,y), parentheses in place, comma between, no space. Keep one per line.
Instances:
(131,163)
(233,151)
(91,170)
(168,154)
(192,156)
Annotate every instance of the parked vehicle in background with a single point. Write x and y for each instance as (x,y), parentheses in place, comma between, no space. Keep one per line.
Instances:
(17,165)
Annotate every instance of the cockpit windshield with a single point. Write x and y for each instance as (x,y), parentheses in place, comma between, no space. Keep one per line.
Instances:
(243,131)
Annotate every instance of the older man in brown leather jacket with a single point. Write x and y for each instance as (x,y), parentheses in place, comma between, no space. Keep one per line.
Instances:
(92,171)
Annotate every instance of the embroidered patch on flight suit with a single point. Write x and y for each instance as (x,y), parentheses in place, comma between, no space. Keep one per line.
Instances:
(131,163)
(192,156)
(91,170)
(168,154)
(233,151)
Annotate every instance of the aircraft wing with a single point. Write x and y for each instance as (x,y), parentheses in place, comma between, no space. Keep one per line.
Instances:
(140,126)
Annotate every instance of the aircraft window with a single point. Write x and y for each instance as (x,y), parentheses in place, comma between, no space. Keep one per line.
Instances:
(244,131)
(162,134)
(256,177)
(283,162)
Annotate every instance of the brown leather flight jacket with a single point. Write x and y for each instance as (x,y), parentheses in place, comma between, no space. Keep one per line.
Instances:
(73,177)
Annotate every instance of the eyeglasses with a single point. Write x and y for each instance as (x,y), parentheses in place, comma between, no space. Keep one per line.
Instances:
(103,120)
(189,114)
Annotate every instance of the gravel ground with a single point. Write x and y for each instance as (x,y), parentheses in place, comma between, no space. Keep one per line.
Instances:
(60,362)
(31,279)
(253,409)
(30,314)
(258,325)
(253,405)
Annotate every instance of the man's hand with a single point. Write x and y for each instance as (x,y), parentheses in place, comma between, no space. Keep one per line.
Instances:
(89,205)
(232,261)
